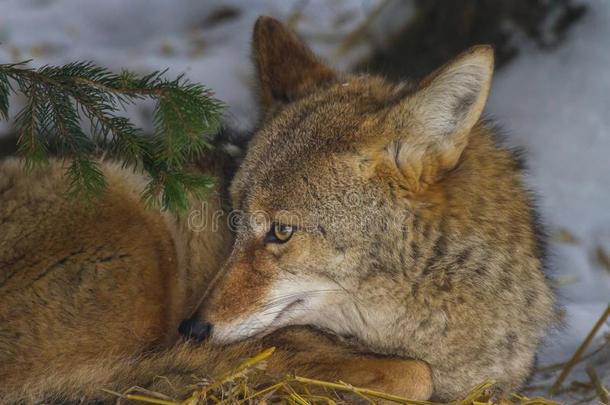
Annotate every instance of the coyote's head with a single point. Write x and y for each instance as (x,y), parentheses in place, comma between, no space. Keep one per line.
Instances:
(344,188)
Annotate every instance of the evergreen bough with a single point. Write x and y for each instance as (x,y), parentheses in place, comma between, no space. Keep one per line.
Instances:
(60,99)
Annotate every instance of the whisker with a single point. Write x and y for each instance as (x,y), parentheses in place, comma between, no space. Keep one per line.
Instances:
(290,297)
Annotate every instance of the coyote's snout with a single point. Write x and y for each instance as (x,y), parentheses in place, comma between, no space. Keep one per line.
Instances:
(393,218)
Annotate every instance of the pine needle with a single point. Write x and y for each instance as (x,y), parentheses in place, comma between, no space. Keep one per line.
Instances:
(60,99)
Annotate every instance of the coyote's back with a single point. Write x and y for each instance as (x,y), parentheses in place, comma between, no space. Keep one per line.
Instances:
(80,282)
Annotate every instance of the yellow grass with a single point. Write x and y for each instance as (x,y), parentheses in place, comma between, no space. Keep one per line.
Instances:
(234,388)
(238,387)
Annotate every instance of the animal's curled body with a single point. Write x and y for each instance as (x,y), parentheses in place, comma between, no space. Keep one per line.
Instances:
(392,219)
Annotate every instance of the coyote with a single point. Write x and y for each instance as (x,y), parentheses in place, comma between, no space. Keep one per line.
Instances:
(384,239)
(386,214)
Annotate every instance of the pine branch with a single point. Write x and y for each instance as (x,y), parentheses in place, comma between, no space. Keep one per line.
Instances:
(60,98)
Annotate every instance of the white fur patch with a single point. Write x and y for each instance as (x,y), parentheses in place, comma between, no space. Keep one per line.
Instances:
(291,301)
(454,99)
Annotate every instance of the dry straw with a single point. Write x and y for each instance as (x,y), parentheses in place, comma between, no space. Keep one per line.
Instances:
(240,387)
(235,388)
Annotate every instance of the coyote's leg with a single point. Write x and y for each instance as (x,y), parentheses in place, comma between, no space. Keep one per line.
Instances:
(307,353)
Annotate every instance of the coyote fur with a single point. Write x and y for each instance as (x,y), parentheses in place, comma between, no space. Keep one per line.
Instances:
(383,238)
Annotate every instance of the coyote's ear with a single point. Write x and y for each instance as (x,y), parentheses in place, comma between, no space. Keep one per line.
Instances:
(287,69)
(430,127)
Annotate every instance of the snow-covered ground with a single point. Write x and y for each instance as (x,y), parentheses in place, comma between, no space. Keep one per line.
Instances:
(185,36)
(555,103)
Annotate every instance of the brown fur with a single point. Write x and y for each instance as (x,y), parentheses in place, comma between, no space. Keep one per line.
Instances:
(415,234)
(92,296)
(416,239)
(79,281)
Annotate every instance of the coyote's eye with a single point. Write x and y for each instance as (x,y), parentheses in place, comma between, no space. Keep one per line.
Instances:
(279,233)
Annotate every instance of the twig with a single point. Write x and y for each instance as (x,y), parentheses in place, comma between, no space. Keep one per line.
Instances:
(602,392)
(539,401)
(583,346)
(559,365)
(367,399)
(358,390)
(271,388)
(474,394)
(197,395)
(150,400)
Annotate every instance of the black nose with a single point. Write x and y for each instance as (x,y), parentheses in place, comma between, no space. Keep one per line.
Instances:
(194,328)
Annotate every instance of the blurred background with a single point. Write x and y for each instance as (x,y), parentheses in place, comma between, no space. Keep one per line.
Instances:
(551,93)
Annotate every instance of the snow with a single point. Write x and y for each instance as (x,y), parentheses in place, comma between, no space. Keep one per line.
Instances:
(147,35)
(555,103)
